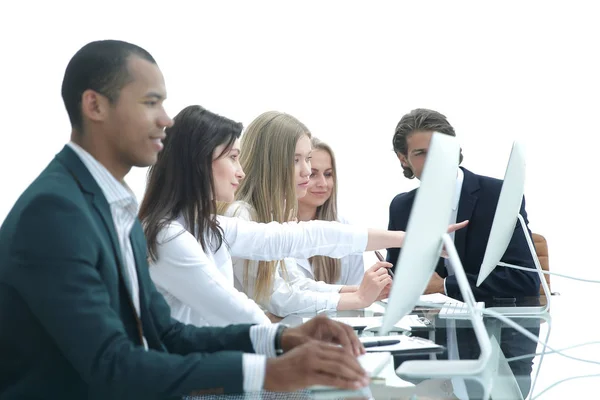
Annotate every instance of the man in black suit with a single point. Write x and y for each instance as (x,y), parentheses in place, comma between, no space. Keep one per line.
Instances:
(79,314)
(476,200)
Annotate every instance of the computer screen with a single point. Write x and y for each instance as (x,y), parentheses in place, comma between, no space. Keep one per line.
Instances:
(507,211)
(427,224)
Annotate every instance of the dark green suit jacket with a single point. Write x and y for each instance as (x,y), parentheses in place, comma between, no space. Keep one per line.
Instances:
(68,329)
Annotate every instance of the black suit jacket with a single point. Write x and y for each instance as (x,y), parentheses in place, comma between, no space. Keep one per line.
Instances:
(68,329)
(477,203)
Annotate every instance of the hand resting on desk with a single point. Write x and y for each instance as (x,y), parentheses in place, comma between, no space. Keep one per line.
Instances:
(318,352)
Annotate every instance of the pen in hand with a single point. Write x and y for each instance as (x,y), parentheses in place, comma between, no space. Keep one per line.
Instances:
(380,258)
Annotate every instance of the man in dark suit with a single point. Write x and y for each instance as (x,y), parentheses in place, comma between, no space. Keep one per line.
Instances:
(476,200)
(79,315)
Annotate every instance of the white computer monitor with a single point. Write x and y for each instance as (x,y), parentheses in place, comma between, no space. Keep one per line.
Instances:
(427,223)
(505,220)
(426,234)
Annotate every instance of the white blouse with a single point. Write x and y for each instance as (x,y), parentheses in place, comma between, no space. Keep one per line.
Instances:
(298,293)
(352,267)
(199,287)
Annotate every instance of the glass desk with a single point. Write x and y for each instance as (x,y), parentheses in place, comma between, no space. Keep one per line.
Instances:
(514,371)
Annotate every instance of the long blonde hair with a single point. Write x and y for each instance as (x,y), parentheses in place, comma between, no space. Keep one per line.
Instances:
(325,268)
(267,157)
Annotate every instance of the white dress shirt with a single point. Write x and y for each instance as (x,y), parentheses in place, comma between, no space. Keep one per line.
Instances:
(298,293)
(352,267)
(123,208)
(198,286)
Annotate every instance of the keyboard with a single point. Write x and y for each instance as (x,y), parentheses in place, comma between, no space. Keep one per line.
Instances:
(372,363)
(457,310)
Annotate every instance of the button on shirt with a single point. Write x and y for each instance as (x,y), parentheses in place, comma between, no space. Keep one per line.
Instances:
(124,208)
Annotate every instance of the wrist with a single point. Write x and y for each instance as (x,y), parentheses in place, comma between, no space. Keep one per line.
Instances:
(271,377)
(279,337)
(350,301)
(361,302)
(401,235)
(291,338)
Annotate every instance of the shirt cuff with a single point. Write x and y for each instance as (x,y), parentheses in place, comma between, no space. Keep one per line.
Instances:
(254,367)
(323,287)
(360,241)
(327,301)
(445,291)
(336,288)
(263,339)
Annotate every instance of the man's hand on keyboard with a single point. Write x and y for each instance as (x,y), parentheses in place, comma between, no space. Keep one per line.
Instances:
(314,363)
(323,329)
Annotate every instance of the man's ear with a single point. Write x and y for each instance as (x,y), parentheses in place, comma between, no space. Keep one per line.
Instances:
(94,106)
(402,159)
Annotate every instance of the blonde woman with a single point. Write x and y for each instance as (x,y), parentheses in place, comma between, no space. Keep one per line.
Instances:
(276,158)
(320,203)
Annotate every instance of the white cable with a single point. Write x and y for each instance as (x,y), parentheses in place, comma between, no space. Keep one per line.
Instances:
(503,264)
(517,358)
(564,380)
(531,336)
(536,339)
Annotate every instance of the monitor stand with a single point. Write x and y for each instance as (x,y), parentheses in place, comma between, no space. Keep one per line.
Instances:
(529,310)
(468,369)
(504,380)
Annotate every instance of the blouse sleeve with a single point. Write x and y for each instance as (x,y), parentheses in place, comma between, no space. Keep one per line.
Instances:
(187,273)
(275,241)
(353,269)
(297,294)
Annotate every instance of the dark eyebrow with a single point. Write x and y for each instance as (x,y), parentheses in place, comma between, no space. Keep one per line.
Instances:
(155,95)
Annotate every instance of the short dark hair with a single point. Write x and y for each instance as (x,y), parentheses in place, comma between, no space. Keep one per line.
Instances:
(419,120)
(100,66)
(180,184)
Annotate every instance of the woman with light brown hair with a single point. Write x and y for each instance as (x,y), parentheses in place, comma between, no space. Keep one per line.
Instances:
(276,151)
(320,203)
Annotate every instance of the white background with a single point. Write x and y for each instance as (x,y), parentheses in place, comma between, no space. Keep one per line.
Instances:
(349,71)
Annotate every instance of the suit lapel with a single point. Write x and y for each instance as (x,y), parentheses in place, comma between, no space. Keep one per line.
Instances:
(89,186)
(467,202)
(103,209)
(140,254)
